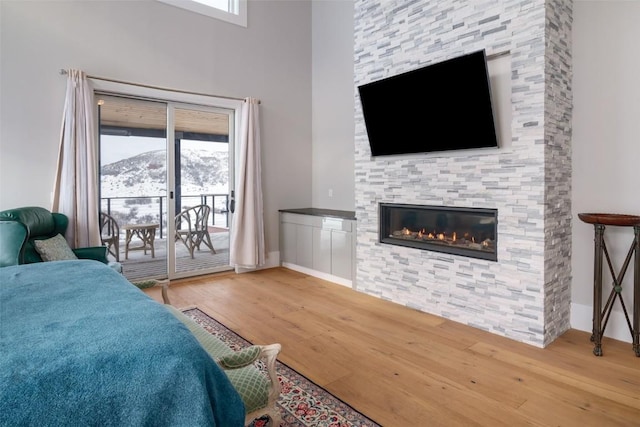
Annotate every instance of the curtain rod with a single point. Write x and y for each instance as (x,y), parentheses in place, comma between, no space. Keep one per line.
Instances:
(64,72)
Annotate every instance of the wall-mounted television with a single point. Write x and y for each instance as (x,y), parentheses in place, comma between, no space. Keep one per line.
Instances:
(440,107)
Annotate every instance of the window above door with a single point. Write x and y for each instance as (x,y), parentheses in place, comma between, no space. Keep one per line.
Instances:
(233,11)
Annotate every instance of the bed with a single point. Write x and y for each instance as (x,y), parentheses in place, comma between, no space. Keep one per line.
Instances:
(79,345)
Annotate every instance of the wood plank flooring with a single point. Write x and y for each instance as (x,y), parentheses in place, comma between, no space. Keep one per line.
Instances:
(402,367)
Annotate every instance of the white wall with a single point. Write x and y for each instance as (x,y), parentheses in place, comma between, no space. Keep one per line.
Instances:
(156,44)
(606,144)
(333,105)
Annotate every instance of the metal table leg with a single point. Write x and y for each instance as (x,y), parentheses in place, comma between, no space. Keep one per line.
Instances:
(636,293)
(596,336)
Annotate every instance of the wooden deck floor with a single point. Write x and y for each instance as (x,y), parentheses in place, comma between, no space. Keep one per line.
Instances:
(140,266)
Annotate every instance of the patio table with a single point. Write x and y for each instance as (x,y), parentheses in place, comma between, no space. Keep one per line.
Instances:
(145,232)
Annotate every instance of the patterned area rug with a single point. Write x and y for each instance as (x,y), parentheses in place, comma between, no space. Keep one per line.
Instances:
(302,403)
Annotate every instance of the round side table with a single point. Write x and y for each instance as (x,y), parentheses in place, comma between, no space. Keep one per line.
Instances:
(600,221)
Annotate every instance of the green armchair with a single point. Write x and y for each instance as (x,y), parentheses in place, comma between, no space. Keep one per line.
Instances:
(42,224)
(13,236)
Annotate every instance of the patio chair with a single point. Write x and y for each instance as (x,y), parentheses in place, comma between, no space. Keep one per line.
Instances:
(110,234)
(192,229)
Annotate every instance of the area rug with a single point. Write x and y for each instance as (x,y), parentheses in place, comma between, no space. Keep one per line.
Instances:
(302,403)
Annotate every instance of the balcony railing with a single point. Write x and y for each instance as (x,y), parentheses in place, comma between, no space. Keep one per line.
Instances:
(144,209)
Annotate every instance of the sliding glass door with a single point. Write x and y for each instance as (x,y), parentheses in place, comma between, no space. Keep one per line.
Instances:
(203,183)
(166,174)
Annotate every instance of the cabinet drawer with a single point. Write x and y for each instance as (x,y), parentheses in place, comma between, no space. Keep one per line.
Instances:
(336,224)
(298,219)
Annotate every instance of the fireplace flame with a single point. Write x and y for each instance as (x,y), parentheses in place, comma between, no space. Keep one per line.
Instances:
(441,238)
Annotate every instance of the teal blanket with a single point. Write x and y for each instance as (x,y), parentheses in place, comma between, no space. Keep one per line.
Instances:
(81,346)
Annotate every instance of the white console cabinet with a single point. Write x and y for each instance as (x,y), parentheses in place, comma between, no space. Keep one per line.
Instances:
(319,242)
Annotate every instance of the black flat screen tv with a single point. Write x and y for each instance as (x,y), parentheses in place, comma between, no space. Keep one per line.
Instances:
(440,107)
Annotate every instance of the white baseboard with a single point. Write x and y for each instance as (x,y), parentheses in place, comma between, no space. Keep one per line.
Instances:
(617,328)
(319,274)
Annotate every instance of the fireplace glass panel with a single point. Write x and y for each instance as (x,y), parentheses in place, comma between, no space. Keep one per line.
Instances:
(460,231)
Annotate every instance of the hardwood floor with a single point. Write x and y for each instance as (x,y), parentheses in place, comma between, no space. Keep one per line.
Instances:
(402,367)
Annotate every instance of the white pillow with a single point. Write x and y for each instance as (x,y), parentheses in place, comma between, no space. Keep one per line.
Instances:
(54,249)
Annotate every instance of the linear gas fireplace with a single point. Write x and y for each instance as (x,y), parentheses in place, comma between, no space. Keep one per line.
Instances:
(469,232)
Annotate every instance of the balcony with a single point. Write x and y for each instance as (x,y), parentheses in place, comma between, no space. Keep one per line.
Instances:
(152,209)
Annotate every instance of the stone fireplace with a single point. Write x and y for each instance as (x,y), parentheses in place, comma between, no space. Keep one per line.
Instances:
(524,293)
(470,232)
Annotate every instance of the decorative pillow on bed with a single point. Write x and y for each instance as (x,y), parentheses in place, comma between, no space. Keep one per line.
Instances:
(54,249)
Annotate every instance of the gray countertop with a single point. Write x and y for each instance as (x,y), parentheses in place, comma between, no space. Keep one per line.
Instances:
(323,212)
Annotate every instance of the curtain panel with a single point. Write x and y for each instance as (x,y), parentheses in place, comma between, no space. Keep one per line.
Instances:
(247,243)
(75,191)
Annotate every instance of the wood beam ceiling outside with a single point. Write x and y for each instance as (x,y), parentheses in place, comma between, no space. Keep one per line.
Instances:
(142,114)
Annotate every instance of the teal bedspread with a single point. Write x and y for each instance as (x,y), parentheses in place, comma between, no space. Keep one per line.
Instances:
(81,346)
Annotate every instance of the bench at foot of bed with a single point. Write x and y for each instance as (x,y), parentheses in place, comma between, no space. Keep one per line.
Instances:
(259,389)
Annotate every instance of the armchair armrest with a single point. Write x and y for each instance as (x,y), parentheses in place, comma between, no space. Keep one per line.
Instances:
(98,253)
(13,235)
(269,353)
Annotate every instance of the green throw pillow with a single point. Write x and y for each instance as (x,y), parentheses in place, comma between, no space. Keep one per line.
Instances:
(54,249)
(241,358)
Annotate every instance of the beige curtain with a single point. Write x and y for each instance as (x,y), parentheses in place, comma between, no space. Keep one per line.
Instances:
(247,244)
(75,192)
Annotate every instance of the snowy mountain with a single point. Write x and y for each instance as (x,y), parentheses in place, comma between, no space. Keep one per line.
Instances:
(136,184)
(145,174)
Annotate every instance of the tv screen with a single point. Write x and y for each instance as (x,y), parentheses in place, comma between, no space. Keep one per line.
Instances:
(439,107)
